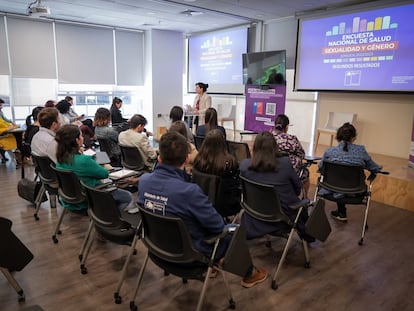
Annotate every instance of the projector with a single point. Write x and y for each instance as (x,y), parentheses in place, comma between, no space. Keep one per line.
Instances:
(38,11)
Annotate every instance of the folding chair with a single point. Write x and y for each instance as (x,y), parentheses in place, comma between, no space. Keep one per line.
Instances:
(346,183)
(239,149)
(262,202)
(215,188)
(131,158)
(14,255)
(112,225)
(69,191)
(198,141)
(49,182)
(170,247)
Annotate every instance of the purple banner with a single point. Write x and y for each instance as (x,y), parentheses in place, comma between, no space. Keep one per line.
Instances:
(262,106)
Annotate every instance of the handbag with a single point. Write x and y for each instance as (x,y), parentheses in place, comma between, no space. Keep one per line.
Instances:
(29,189)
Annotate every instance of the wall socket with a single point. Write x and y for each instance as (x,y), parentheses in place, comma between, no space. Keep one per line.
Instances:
(159,115)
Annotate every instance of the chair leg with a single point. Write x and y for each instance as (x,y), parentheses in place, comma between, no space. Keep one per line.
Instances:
(57,229)
(232,303)
(306,252)
(88,247)
(132,305)
(364,225)
(316,141)
(85,241)
(282,259)
(204,289)
(13,283)
(52,200)
(118,298)
(38,200)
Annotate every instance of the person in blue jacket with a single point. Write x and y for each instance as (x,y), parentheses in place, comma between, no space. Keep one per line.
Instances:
(168,191)
(348,153)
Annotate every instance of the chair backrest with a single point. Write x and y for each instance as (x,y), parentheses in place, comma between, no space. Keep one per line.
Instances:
(261,201)
(337,119)
(230,113)
(168,238)
(131,158)
(44,169)
(198,141)
(342,178)
(103,209)
(105,145)
(208,183)
(69,186)
(14,255)
(239,149)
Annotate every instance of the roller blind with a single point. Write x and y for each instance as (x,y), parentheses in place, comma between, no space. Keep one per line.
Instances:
(85,54)
(129,57)
(4,67)
(31,48)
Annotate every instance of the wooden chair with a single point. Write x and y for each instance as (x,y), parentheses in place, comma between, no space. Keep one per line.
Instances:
(335,120)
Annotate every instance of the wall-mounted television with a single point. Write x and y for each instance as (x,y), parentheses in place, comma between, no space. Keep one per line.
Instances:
(368,49)
(216,58)
(263,68)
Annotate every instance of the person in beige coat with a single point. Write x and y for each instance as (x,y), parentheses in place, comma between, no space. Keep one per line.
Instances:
(201,103)
(135,137)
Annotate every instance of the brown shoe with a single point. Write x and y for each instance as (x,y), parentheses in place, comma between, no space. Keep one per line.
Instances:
(258,276)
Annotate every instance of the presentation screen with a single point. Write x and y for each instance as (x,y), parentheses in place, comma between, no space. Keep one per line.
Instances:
(215,58)
(369,50)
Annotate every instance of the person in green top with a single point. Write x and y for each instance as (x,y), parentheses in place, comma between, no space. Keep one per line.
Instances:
(70,157)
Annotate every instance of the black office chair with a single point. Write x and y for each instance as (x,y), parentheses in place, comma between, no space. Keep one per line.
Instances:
(113,225)
(198,141)
(49,182)
(132,159)
(69,191)
(262,202)
(346,184)
(14,255)
(223,196)
(105,144)
(170,247)
(239,150)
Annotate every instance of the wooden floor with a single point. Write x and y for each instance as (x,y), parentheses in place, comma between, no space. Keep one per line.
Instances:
(343,276)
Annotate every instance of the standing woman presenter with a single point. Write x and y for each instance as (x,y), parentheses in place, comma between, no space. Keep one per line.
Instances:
(201,103)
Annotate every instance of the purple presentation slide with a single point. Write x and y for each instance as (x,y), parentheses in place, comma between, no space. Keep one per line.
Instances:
(367,51)
(262,106)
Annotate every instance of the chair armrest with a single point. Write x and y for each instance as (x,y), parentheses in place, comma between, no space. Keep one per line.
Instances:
(228,229)
(303,203)
(373,175)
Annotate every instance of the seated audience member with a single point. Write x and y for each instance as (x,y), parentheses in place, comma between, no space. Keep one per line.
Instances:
(43,142)
(50,103)
(7,141)
(348,153)
(73,116)
(213,158)
(268,166)
(103,130)
(176,114)
(211,123)
(169,183)
(70,157)
(31,130)
(66,118)
(290,145)
(180,127)
(135,137)
(116,114)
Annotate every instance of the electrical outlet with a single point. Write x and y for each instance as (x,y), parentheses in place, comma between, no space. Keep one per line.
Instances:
(159,115)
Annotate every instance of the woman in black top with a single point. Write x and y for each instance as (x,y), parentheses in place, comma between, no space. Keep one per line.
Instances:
(116,115)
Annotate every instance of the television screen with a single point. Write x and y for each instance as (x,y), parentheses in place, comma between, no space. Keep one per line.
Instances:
(368,50)
(262,68)
(216,59)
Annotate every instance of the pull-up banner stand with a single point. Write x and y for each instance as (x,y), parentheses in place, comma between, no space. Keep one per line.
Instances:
(263,104)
